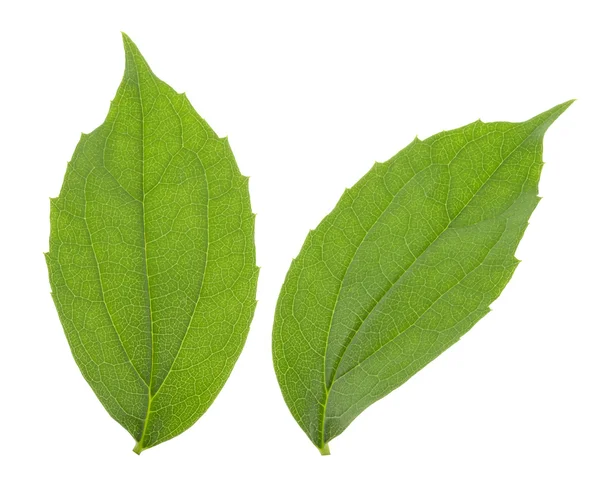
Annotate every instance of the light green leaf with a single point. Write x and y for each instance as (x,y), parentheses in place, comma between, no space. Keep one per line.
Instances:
(152,258)
(407,262)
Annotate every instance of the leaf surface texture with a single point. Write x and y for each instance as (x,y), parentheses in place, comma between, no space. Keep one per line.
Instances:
(152,258)
(407,262)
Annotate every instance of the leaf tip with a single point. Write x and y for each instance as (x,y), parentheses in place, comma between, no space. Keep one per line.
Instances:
(545,119)
(561,108)
(134,61)
(128,43)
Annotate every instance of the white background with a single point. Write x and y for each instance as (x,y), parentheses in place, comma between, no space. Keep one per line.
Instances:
(310,95)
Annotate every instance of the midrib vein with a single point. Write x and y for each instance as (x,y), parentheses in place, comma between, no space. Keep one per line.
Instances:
(152,394)
(343,280)
(383,213)
(145,250)
(339,360)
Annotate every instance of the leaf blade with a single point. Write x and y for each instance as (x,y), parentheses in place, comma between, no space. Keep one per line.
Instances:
(390,249)
(152,259)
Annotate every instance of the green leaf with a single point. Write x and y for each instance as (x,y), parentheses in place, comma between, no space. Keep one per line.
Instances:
(407,262)
(152,258)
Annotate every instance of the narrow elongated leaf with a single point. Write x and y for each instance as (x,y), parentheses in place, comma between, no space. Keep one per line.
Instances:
(407,262)
(152,259)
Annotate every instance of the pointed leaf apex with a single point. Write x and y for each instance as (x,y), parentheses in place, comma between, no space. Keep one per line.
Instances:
(561,108)
(129,44)
(546,118)
(134,61)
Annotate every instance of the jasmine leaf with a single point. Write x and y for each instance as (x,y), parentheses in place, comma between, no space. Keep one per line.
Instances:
(407,262)
(152,258)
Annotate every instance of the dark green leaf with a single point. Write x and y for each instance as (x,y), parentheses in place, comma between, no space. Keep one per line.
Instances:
(407,262)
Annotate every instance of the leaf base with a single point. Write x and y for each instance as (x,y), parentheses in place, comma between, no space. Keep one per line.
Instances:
(324,450)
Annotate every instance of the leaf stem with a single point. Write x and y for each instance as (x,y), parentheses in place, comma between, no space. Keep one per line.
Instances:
(138,448)
(324,449)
